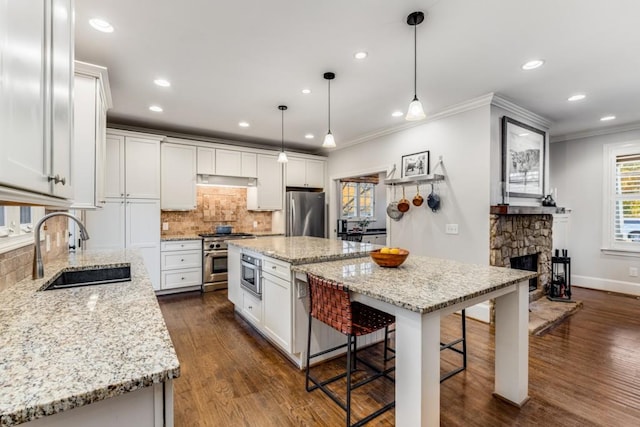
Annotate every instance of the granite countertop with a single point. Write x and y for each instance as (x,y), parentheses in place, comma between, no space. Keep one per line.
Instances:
(66,348)
(303,249)
(172,238)
(421,284)
(266,234)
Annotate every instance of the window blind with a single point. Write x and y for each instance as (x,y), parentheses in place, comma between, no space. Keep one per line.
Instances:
(627,198)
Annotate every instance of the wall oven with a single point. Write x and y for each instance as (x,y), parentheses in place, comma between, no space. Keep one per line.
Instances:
(251,275)
(214,259)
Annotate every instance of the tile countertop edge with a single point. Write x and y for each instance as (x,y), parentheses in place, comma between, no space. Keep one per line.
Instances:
(21,404)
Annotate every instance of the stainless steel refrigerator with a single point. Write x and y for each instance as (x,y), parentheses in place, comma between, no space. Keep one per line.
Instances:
(305,214)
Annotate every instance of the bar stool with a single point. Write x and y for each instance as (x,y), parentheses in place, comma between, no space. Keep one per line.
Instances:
(330,303)
(389,352)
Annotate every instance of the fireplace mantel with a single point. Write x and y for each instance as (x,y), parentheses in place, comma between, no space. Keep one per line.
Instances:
(525,210)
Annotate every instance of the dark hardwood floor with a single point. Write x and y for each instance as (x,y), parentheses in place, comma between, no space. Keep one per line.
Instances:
(585,372)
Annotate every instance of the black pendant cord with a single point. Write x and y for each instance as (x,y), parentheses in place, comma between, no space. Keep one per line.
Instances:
(329,105)
(415,63)
(282,130)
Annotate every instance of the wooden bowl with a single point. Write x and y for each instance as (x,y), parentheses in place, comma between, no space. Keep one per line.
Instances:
(389,260)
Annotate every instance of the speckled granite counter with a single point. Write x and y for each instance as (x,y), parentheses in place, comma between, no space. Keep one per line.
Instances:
(66,348)
(303,250)
(421,284)
(173,238)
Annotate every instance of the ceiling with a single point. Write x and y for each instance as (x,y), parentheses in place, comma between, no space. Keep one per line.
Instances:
(232,61)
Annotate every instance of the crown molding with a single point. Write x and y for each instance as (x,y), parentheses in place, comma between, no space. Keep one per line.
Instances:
(510,106)
(99,72)
(452,110)
(596,132)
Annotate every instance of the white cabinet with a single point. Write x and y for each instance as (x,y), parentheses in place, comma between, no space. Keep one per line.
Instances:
(91,102)
(206,161)
(178,180)
(276,302)
(234,292)
(302,172)
(142,168)
(376,239)
(131,215)
(252,308)
(267,194)
(181,262)
(249,165)
(228,163)
(36,54)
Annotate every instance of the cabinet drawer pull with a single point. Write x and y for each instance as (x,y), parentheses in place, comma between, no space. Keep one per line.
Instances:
(250,307)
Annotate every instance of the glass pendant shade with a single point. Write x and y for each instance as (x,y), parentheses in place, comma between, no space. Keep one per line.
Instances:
(282,157)
(329,142)
(415,111)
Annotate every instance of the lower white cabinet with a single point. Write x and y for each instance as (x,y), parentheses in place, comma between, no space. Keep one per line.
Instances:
(276,308)
(252,308)
(181,262)
(234,292)
(128,223)
(376,239)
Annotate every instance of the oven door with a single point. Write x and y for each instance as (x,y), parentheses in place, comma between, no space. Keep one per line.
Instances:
(250,279)
(214,266)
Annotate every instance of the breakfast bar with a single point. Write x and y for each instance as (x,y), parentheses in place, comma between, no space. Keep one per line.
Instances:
(419,293)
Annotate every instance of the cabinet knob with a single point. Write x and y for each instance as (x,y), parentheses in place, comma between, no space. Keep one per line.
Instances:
(182,260)
(128,194)
(250,307)
(56,179)
(121,194)
(273,267)
(182,278)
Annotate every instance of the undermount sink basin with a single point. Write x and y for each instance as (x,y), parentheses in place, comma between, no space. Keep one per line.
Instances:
(94,276)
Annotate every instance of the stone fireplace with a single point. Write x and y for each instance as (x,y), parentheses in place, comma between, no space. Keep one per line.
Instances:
(521,233)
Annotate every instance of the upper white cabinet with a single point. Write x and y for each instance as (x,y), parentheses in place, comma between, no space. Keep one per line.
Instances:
(92,99)
(249,165)
(114,166)
(228,163)
(206,161)
(36,54)
(267,195)
(142,168)
(303,172)
(178,179)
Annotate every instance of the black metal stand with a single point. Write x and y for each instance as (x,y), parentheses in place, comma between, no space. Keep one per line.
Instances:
(560,288)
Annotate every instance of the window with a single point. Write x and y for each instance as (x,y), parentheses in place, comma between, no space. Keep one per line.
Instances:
(16,225)
(358,200)
(622,191)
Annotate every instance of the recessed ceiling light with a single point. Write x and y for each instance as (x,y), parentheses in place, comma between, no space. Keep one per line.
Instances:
(306,91)
(533,64)
(243,124)
(162,82)
(101,25)
(577,97)
(397,114)
(309,136)
(360,55)
(523,134)
(156,109)
(607,118)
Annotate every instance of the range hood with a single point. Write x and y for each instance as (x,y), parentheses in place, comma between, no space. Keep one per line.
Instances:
(226,181)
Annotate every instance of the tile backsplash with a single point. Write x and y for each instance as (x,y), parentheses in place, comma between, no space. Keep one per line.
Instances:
(216,206)
(16,265)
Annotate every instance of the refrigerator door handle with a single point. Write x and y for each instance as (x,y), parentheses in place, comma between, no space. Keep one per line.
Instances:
(292,215)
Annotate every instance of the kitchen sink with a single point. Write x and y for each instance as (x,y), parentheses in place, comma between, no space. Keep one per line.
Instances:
(89,277)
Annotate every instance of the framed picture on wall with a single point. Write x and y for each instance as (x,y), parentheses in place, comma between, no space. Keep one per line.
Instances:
(523,167)
(415,164)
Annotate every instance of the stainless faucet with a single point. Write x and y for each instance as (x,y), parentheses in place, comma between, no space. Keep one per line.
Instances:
(38,267)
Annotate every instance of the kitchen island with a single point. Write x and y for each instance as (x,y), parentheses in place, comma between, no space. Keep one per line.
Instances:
(95,355)
(279,309)
(419,293)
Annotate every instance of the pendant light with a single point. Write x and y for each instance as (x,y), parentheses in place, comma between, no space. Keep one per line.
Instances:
(415,111)
(329,142)
(282,157)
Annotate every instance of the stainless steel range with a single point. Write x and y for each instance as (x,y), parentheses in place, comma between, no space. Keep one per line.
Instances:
(214,259)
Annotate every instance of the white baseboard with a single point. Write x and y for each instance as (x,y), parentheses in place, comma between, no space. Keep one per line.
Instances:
(479,312)
(600,284)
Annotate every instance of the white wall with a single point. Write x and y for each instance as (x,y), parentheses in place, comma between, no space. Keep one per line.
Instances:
(577,172)
(463,140)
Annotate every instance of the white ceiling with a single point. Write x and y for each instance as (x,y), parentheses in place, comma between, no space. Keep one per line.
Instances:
(238,60)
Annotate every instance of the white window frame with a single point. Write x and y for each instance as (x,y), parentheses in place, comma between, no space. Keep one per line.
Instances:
(358,218)
(15,235)
(609,243)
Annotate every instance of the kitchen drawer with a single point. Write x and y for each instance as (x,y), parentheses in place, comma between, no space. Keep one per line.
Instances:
(181,259)
(252,307)
(181,245)
(276,267)
(181,278)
